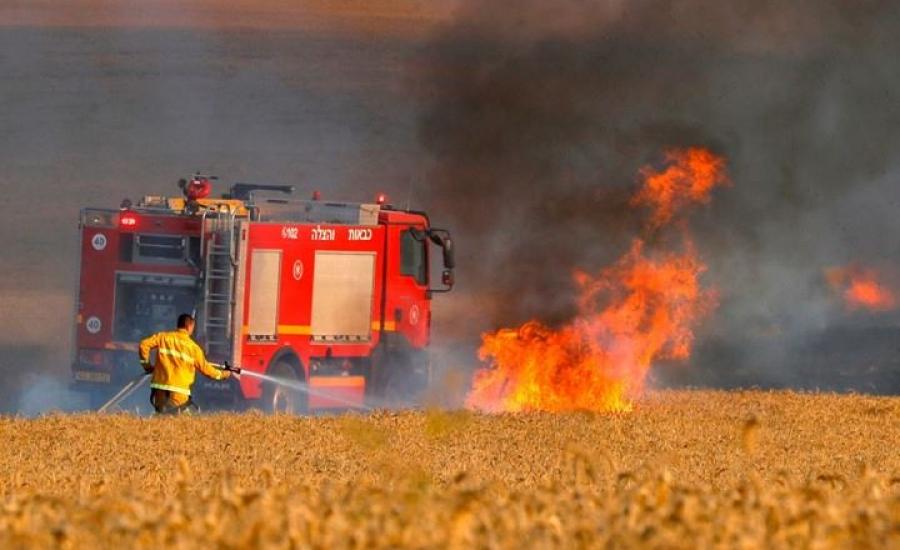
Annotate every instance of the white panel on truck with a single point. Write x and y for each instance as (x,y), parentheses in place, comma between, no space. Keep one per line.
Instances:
(343,286)
(265,280)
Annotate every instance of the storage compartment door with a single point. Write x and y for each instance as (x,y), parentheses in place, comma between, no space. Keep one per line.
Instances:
(342,296)
(265,281)
(147,303)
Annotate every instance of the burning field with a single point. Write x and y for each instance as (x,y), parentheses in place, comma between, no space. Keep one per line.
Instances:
(637,191)
(682,469)
(642,308)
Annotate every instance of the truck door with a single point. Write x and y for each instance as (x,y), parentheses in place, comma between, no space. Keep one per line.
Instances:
(410,311)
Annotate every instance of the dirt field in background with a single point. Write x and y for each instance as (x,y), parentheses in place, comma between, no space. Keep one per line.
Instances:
(686,468)
(353,16)
(105,100)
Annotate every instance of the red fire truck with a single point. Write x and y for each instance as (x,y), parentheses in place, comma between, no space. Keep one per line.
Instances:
(333,295)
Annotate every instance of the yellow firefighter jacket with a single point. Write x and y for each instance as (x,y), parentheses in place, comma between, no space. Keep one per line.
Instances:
(177,358)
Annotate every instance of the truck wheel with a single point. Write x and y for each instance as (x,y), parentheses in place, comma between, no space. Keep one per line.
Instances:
(376,379)
(398,378)
(283,398)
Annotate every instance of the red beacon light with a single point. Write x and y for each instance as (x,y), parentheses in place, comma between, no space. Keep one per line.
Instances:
(381,199)
(128,219)
(198,188)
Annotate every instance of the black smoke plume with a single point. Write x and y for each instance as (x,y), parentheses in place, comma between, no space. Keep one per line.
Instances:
(538,116)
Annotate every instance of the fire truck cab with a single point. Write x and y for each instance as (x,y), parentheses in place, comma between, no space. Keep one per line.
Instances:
(335,296)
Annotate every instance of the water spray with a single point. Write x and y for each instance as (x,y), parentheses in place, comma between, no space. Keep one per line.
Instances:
(296,385)
(292,384)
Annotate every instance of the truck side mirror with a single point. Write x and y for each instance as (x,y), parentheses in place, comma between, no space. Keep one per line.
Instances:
(441,238)
(447,278)
(449,259)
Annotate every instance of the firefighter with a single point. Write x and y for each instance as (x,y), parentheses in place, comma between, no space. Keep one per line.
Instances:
(177,359)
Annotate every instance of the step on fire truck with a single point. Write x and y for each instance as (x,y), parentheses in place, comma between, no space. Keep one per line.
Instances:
(331,294)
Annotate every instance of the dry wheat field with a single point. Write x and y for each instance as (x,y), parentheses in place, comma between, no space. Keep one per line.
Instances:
(686,468)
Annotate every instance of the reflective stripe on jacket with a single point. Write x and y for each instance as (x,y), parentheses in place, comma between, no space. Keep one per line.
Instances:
(177,358)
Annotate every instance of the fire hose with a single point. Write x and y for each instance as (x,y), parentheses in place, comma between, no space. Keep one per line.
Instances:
(139,382)
(126,391)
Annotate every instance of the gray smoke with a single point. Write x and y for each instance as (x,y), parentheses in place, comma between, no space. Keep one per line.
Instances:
(540,114)
(41,394)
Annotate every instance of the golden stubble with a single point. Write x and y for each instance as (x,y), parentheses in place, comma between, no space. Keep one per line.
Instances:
(685,469)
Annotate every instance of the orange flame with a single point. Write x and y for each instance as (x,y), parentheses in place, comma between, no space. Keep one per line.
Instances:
(640,309)
(861,288)
(690,177)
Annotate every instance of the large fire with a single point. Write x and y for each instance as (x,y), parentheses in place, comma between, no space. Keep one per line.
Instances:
(861,288)
(642,308)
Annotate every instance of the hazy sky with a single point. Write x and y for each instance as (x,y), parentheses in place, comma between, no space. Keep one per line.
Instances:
(518,124)
(110,99)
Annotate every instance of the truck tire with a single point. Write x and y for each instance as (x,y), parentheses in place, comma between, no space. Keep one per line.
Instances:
(376,378)
(398,378)
(282,398)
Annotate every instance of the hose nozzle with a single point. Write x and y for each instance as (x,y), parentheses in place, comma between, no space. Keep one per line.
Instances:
(230,368)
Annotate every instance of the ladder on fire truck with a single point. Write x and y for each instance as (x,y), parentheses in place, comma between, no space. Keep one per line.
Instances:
(218,283)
